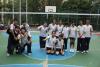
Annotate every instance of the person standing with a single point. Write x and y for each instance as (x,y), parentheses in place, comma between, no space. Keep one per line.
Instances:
(88,34)
(81,37)
(59,28)
(43,34)
(11,38)
(72,35)
(65,32)
(52,27)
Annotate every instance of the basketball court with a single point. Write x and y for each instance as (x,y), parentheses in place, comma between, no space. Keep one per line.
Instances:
(39,58)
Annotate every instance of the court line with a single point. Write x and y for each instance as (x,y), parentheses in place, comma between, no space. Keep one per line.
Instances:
(41,64)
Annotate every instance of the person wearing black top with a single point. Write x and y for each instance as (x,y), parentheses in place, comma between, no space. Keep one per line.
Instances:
(11,41)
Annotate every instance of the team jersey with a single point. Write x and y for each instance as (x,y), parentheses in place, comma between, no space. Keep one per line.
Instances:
(43,31)
(52,27)
(81,31)
(59,43)
(66,32)
(73,31)
(88,30)
(59,30)
(12,27)
(50,42)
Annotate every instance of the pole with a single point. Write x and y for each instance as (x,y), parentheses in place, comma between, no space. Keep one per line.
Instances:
(20,12)
(2,15)
(13,9)
(26,11)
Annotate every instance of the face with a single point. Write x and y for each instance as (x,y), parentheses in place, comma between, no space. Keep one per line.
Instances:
(54,21)
(16,29)
(73,24)
(87,22)
(23,31)
(60,22)
(53,33)
(81,23)
(45,24)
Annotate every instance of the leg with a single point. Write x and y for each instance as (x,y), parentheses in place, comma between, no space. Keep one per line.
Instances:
(40,42)
(10,47)
(65,43)
(72,41)
(29,48)
(83,44)
(43,42)
(88,42)
(78,44)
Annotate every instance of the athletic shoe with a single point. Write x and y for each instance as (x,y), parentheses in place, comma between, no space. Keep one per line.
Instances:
(82,52)
(71,50)
(29,54)
(87,51)
(62,54)
(57,53)
(8,54)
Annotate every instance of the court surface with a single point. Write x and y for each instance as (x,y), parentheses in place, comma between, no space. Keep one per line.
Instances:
(39,58)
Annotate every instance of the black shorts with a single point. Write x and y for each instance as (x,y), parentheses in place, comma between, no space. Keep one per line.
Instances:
(48,48)
(58,49)
(72,38)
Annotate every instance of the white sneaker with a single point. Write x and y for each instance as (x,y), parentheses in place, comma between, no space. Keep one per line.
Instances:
(29,54)
(87,51)
(72,50)
(63,53)
(57,53)
(82,52)
(8,54)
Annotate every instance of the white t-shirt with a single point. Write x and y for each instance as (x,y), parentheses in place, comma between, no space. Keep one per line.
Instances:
(43,31)
(60,43)
(52,27)
(27,27)
(50,42)
(12,27)
(88,30)
(81,30)
(65,32)
(59,29)
(73,31)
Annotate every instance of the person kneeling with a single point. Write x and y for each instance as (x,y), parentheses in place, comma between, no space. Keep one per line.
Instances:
(25,41)
(50,42)
(59,46)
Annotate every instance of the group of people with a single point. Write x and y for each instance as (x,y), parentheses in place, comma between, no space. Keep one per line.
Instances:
(19,37)
(55,36)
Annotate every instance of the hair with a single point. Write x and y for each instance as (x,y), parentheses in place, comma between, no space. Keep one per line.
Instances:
(61,35)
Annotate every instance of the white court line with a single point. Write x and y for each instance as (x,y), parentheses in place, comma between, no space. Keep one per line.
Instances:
(40,64)
(45,63)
